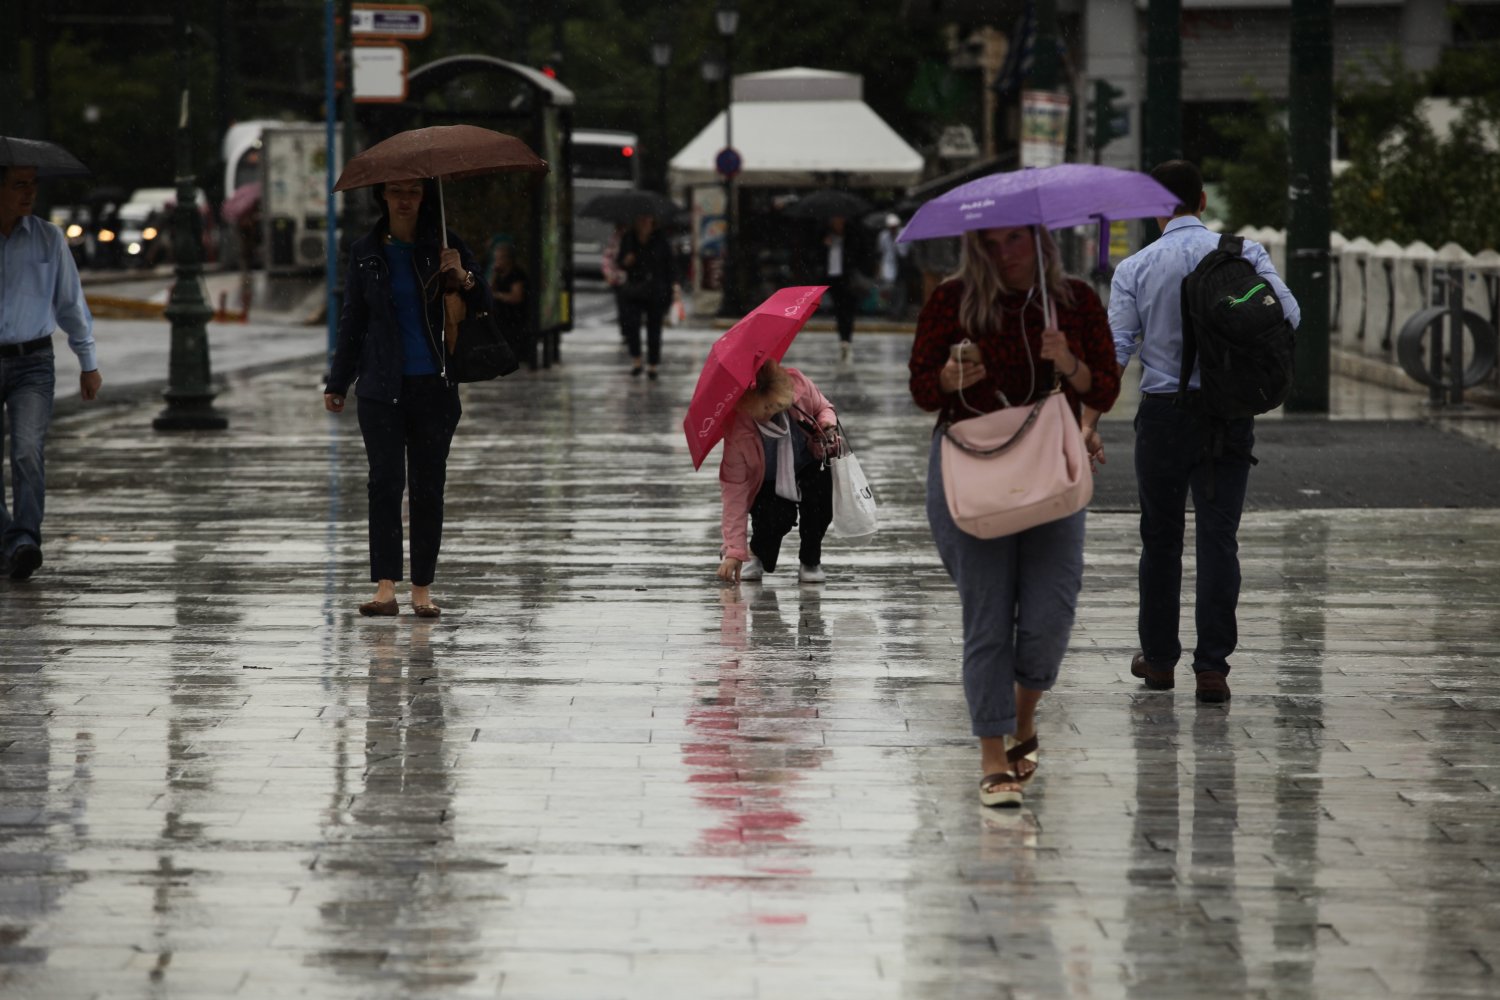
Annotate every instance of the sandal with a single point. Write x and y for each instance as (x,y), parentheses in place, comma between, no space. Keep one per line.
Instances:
(1005,788)
(1000,789)
(1024,750)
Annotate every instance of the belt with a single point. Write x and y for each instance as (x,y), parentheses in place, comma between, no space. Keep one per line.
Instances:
(28,347)
(1169,395)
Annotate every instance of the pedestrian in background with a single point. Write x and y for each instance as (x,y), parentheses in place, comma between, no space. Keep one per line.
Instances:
(1019,592)
(774,470)
(40,291)
(508,285)
(839,275)
(1175,450)
(893,267)
(402,280)
(648,291)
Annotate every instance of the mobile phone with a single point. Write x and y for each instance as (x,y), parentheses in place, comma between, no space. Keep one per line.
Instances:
(965,352)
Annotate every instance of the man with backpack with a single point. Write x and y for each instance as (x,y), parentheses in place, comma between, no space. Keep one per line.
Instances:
(1213,323)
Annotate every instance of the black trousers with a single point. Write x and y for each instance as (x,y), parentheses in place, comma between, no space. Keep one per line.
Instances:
(771,517)
(1172,456)
(407,445)
(632,312)
(844,305)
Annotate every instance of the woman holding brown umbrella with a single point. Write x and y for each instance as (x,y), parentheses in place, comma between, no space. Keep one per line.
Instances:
(403,280)
(410,282)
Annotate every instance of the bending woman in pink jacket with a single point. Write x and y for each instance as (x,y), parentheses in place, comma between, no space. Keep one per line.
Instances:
(773,469)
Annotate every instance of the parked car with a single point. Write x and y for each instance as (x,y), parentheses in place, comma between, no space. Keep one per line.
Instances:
(145,233)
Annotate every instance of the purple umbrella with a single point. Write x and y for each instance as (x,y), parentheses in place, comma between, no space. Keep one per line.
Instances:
(1069,194)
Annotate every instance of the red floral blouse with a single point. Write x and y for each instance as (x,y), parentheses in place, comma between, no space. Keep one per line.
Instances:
(1085,324)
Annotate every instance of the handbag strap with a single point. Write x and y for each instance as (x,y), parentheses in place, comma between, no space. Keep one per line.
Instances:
(1036,411)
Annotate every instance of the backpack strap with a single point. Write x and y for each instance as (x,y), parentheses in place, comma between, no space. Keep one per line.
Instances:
(1232,244)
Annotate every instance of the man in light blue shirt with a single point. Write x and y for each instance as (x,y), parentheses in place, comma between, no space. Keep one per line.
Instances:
(39,292)
(1178,448)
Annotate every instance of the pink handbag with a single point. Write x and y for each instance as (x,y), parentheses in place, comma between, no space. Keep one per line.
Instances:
(1016,468)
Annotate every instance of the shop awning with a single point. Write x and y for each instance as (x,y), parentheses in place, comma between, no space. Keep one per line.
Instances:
(791,140)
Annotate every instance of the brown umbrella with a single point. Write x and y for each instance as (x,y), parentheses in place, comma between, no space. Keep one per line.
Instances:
(446,152)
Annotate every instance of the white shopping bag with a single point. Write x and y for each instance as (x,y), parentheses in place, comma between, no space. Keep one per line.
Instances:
(853,500)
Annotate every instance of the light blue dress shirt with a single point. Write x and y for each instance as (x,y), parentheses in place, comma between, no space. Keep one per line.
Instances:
(1145,300)
(40,290)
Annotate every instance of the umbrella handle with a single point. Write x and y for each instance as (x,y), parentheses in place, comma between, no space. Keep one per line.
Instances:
(442,214)
(1041,266)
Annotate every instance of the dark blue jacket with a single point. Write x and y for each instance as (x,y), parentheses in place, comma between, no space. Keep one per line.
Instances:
(369,342)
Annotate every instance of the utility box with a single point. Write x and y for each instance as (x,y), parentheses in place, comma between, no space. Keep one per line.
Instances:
(294,197)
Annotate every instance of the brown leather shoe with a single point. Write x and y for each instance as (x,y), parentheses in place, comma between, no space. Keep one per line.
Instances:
(1213,687)
(380,609)
(426,610)
(1156,679)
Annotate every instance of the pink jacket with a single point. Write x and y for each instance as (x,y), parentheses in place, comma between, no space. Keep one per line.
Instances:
(742,470)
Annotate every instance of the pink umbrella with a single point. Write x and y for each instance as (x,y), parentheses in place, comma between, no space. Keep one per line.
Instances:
(765,332)
(244,198)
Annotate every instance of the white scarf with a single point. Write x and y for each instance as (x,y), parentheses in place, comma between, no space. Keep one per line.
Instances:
(780,430)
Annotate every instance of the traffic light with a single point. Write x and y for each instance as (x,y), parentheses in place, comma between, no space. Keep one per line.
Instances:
(1107,121)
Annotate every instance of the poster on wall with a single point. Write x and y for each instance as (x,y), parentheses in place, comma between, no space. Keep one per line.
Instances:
(1044,128)
(709,229)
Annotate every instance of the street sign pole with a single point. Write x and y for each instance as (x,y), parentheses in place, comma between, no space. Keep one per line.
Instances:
(1308,218)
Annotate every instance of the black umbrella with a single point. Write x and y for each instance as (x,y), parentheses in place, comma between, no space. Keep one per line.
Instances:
(623,207)
(829,203)
(49,159)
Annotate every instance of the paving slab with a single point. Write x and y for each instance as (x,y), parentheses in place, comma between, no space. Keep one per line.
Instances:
(602,775)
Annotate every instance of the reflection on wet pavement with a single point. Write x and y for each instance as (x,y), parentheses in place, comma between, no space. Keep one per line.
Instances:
(601,775)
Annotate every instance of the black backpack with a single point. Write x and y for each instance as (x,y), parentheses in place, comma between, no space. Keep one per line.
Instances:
(1234,327)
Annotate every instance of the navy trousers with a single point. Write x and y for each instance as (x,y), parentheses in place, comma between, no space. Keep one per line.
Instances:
(1175,454)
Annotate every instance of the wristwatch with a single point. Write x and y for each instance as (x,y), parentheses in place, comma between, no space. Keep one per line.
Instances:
(468,280)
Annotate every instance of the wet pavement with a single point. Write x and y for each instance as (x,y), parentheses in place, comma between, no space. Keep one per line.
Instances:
(601,775)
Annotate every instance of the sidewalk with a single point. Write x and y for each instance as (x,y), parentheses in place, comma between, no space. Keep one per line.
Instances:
(601,776)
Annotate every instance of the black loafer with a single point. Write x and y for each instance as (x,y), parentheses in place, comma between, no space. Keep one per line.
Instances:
(24,562)
(1155,678)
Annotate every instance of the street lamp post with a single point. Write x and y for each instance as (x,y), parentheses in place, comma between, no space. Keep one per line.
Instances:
(189,393)
(727,20)
(661,57)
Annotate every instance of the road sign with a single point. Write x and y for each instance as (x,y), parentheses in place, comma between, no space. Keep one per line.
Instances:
(728,162)
(389,20)
(379,72)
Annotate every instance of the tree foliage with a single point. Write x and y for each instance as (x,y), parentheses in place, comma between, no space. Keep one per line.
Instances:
(1405,178)
(113,90)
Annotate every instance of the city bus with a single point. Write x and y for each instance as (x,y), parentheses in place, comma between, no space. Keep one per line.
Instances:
(603,161)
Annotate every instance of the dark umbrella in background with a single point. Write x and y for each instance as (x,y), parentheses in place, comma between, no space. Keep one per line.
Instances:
(828,204)
(624,207)
(50,159)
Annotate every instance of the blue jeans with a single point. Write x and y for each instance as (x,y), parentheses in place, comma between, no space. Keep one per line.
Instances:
(26,387)
(1019,595)
(1172,456)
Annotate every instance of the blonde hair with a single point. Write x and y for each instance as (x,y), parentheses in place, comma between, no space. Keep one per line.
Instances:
(772,384)
(983,285)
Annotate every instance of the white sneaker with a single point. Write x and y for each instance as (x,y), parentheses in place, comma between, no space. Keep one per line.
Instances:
(811,574)
(846,351)
(752,569)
